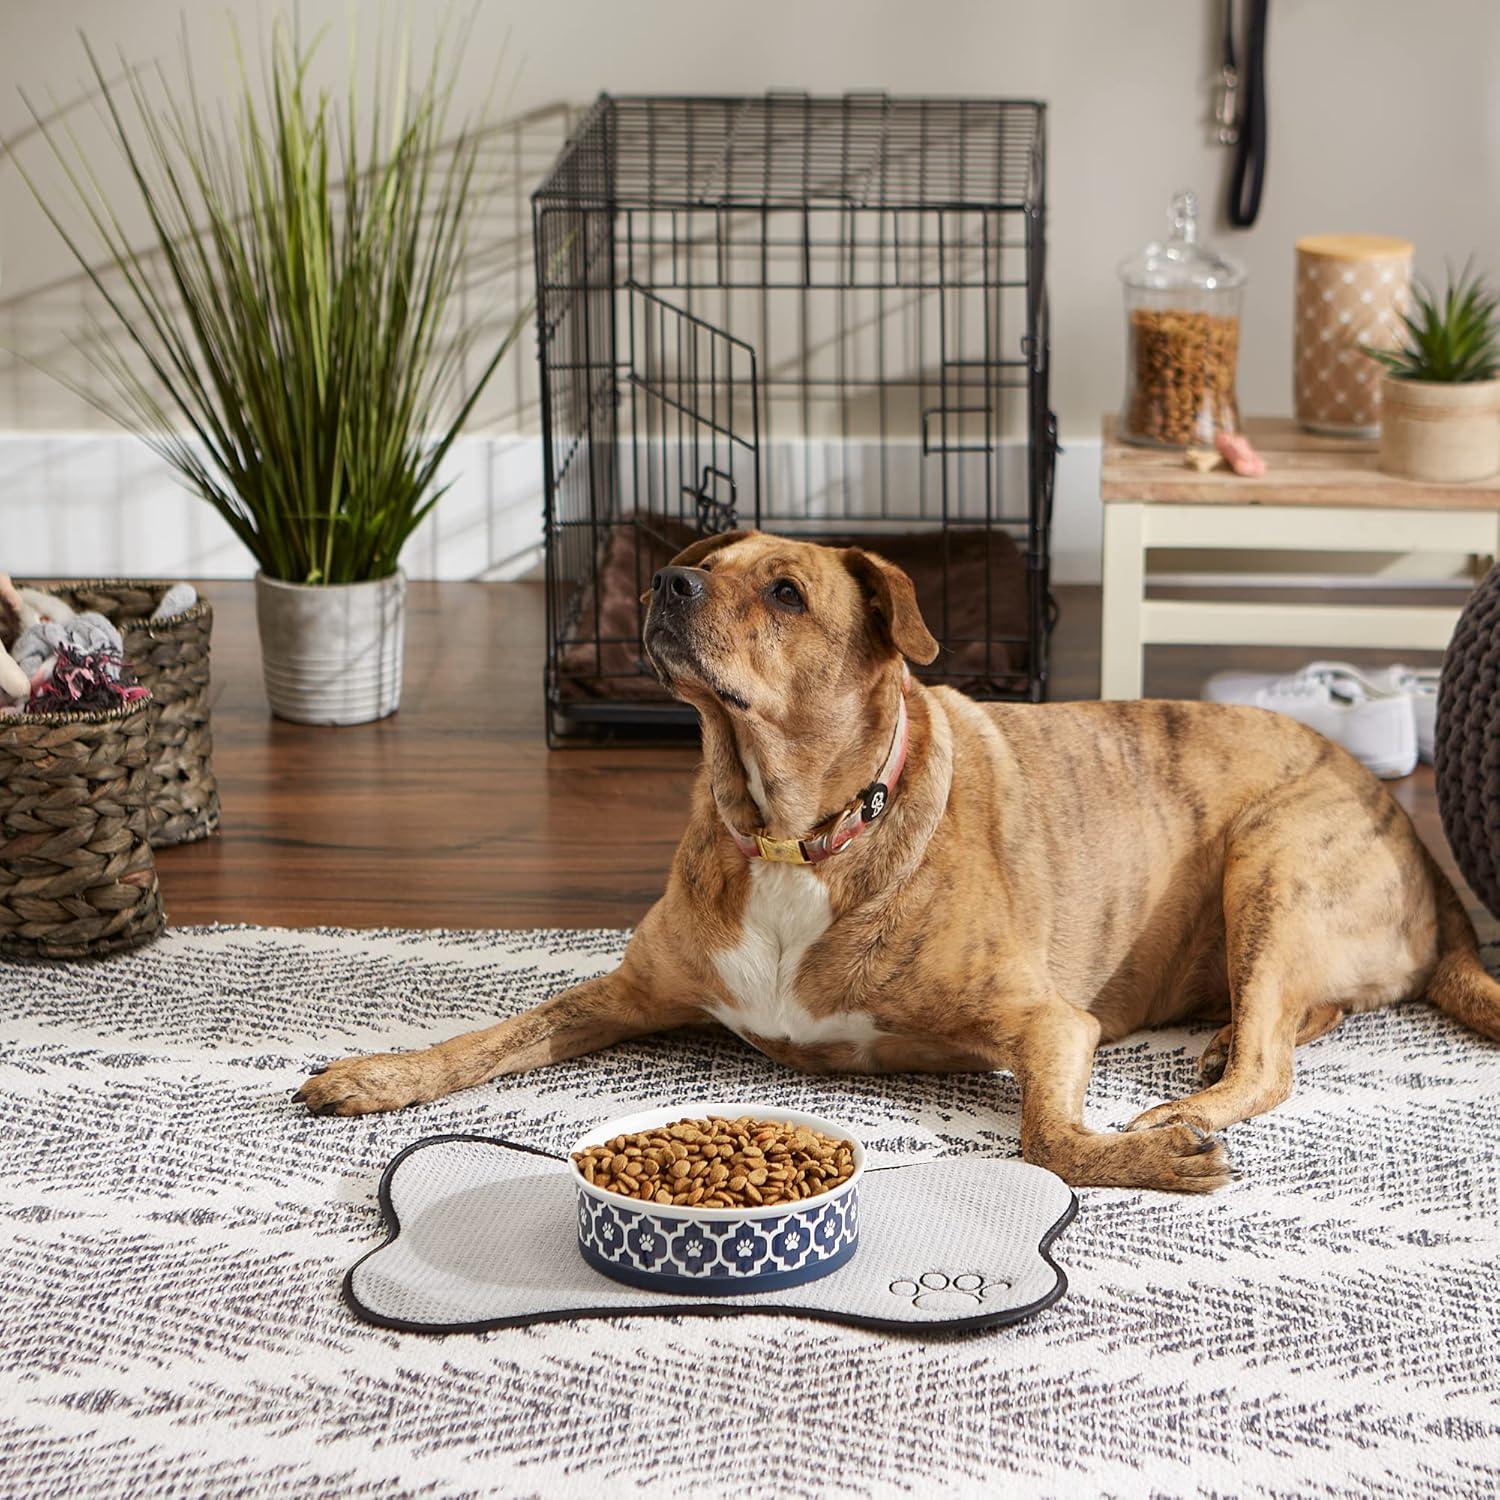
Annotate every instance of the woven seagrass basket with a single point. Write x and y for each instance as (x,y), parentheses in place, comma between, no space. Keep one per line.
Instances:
(171,658)
(77,876)
(1467,750)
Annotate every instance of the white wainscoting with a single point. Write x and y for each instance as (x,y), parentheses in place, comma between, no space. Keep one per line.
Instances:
(101,504)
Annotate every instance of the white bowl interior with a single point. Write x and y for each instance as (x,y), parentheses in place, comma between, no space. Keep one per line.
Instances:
(652,1119)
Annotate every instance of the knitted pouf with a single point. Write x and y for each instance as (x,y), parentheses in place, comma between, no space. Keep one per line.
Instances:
(1468,742)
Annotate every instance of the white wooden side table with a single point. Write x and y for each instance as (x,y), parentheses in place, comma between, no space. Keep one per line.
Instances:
(1318,494)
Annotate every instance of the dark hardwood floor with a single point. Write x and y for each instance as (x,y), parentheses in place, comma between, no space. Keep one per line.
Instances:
(453,813)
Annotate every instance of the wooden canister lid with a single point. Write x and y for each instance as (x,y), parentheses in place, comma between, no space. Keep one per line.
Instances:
(1355,246)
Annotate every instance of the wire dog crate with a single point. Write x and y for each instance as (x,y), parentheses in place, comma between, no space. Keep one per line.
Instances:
(822,317)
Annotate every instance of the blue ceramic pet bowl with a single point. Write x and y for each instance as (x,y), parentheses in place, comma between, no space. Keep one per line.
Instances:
(716,1252)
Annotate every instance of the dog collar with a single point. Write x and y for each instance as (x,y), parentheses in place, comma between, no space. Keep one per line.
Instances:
(844,827)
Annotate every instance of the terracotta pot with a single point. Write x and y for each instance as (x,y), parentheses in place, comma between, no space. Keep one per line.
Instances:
(1443,433)
(332,654)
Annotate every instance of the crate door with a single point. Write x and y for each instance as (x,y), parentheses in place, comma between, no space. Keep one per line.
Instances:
(694,414)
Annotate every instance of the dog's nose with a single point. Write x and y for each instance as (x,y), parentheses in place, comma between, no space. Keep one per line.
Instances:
(672,585)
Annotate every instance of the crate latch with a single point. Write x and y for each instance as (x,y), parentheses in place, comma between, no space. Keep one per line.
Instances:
(714,514)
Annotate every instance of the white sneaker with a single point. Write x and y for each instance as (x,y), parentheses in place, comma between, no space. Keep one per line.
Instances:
(1373,720)
(1421,684)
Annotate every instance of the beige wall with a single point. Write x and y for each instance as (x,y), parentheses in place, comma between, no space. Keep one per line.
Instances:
(1384,116)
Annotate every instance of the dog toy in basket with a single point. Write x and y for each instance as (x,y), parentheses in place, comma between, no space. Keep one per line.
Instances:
(166,630)
(708,1208)
(55,660)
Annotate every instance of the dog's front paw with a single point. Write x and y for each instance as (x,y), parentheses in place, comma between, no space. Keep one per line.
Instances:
(366,1085)
(1181,1157)
(1172,1158)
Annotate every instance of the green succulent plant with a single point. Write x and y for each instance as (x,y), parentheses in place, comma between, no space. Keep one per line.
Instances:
(1454,339)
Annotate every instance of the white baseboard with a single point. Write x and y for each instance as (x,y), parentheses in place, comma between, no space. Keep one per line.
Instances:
(101,504)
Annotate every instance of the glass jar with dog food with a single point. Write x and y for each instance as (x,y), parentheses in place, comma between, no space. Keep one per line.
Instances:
(1182,329)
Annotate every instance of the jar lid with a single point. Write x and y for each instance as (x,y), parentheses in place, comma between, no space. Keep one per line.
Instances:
(1180,262)
(1356,246)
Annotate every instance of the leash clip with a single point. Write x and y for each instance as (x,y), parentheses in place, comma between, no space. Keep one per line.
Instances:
(1227,106)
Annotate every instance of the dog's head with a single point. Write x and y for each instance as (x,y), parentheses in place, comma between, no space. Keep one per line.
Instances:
(785,631)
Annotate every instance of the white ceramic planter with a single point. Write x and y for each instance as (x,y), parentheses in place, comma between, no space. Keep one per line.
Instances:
(332,655)
(1442,433)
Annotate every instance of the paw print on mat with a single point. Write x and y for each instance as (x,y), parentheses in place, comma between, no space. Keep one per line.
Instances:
(934,1291)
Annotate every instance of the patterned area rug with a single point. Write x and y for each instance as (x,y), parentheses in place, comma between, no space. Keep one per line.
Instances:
(173,1233)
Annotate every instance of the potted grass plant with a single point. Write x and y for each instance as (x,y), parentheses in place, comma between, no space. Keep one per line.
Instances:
(284,337)
(1440,395)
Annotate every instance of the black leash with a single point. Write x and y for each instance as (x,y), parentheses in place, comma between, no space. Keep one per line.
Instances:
(1248,132)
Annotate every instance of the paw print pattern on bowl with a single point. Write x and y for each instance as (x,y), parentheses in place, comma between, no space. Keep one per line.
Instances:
(792,1242)
(646,1244)
(936,1291)
(694,1251)
(736,1256)
(832,1228)
(605,1227)
(720,1252)
(744,1248)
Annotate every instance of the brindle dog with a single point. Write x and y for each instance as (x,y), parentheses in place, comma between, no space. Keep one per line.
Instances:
(1040,879)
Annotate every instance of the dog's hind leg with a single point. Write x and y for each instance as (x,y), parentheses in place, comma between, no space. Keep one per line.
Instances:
(1271,955)
(1328,908)
(1284,960)
(1051,1054)
(1317,1020)
(1258,1071)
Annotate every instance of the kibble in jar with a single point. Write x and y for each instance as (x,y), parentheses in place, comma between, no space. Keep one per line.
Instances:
(1182,369)
(719,1163)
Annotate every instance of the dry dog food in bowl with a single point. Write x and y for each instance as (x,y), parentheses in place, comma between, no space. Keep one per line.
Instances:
(718,1199)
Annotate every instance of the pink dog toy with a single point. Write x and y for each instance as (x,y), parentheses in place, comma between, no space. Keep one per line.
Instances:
(1235,449)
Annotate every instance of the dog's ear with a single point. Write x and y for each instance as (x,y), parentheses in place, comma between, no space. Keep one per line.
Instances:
(689,557)
(893,602)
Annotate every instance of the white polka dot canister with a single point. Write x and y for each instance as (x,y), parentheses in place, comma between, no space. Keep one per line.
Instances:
(1352,290)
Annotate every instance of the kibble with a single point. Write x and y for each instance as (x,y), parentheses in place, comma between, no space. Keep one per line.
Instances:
(1182,376)
(718,1163)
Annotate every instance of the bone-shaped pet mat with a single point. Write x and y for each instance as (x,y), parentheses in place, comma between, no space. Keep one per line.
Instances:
(483,1235)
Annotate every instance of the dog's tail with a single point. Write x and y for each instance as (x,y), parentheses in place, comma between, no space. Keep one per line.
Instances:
(1460,985)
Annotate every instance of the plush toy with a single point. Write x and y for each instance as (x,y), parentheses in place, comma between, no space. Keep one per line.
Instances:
(81,680)
(19,610)
(55,660)
(37,647)
(21,607)
(177,599)
(15,685)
